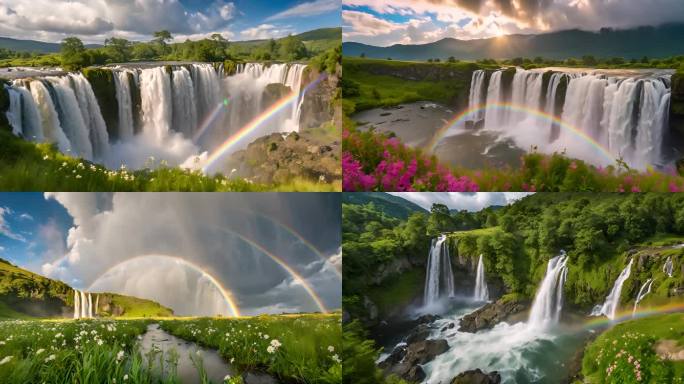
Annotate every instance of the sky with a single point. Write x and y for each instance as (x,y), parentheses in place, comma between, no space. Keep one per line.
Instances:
(154,245)
(95,20)
(388,22)
(469,201)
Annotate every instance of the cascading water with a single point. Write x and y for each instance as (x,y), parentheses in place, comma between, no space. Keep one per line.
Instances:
(609,307)
(668,267)
(77,305)
(481,292)
(548,301)
(440,278)
(643,291)
(83,305)
(159,110)
(626,114)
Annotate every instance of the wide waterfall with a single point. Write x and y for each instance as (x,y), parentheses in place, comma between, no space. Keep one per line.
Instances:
(643,291)
(83,305)
(481,292)
(172,113)
(668,267)
(548,302)
(440,278)
(609,307)
(624,114)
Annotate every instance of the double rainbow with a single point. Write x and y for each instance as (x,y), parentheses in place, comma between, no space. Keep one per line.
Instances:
(462,117)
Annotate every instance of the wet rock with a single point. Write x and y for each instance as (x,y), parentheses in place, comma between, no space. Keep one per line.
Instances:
(477,376)
(425,351)
(427,319)
(395,357)
(448,326)
(258,378)
(406,361)
(419,333)
(490,315)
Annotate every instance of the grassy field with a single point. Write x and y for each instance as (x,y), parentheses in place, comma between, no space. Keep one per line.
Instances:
(294,348)
(26,166)
(626,353)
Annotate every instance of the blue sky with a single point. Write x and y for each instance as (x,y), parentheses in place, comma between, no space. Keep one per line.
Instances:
(111,237)
(93,21)
(387,22)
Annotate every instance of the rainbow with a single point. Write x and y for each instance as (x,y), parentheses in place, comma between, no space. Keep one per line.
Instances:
(209,120)
(257,122)
(463,116)
(296,276)
(227,297)
(627,315)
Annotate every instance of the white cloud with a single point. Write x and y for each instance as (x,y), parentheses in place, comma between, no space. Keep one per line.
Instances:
(307,9)
(461,200)
(25,216)
(5,227)
(266,31)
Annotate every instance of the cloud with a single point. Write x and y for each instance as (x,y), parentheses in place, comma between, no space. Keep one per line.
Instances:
(266,31)
(5,228)
(307,9)
(461,200)
(469,19)
(202,229)
(25,216)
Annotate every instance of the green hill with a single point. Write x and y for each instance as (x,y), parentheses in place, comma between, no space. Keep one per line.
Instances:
(24,294)
(389,204)
(654,42)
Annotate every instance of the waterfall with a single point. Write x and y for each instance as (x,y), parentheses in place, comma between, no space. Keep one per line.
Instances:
(159,110)
(440,278)
(97,303)
(668,267)
(610,306)
(643,291)
(77,305)
(625,114)
(548,301)
(481,291)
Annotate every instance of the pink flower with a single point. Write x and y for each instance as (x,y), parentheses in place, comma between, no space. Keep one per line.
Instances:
(674,188)
(635,189)
(573,165)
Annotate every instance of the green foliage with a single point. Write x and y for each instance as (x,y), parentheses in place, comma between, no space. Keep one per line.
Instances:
(73,54)
(308,351)
(328,61)
(102,82)
(119,50)
(358,358)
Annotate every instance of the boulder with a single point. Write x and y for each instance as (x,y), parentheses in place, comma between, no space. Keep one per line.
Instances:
(425,351)
(395,357)
(419,333)
(490,315)
(477,376)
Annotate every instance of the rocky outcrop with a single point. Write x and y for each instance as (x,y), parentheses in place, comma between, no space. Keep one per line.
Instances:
(677,104)
(491,314)
(278,159)
(102,82)
(393,268)
(321,103)
(405,361)
(477,376)
(106,307)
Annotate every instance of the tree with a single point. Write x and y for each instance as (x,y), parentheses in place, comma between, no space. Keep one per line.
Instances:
(363,55)
(291,48)
(451,59)
(118,50)
(73,53)
(161,37)
(589,60)
(517,61)
(143,51)
(272,46)
(538,60)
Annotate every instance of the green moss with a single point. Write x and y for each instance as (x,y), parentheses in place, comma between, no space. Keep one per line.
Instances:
(136,102)
(102,82)
(230,67)
(397,292)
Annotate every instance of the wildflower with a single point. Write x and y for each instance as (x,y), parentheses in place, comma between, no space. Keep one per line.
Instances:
(270,349)
(46,157)
(38,352)
(266,337)
(100,342)
(78,176)
(6,360)
(275,343)
(336,358)
(50,358)
(331,349)
(126,377)
(119,355)
(226,378)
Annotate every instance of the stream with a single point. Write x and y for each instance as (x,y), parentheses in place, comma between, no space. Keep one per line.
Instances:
(214,365)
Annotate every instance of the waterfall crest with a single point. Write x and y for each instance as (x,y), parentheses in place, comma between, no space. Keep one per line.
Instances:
(643,291)
(440,278)
(481,292)
(548,302)
(626,115)
(610,305)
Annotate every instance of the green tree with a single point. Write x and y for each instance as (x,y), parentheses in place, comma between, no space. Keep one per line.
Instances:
(291,48)
(451,59)
(118,50)
(589,60)
(161,37)
(73,53)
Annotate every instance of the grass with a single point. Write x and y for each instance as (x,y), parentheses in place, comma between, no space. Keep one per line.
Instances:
(397,293)
(6,312)
(135,307)
(294,348)
(635,339)
(26,166)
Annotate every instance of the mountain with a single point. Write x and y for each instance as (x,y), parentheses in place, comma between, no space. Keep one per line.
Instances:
(34,46)
(653,42)
(24,294)
(389,204)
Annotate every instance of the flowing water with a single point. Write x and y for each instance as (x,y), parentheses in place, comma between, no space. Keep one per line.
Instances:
(668,267)
(83,305)
(155,340)
(609,307)
(481,292)
(439,280)
(174,114)
(548,302)
(643,291)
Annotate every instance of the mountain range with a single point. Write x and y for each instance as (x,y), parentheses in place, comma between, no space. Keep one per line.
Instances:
(654,42)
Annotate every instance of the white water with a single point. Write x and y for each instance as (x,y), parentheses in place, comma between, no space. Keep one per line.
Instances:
(173,108)
(439,280)
(83,305)
(625,113)
(610,305)
(481,292)
(643,291)
(668,267)
(548,302)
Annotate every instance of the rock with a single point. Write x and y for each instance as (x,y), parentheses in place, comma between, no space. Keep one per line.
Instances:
(477,376)
(448,326)
(395,357)
(321,103)
(395,267)
(427,319)
(258,378)
(490,315)
(274,92)
(415,374)
(371,308)
(425,351)
(419,333)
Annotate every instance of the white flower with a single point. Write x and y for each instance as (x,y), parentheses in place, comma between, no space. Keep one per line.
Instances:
(38,352)
(50,358)
(46,157)
(226,378)
(275,343)
(336,358)
(100,342)
(78,176)
(331,349)
(270,349)
(266,337)
(119,355)
(125,377)
(5,360)
(232,359)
